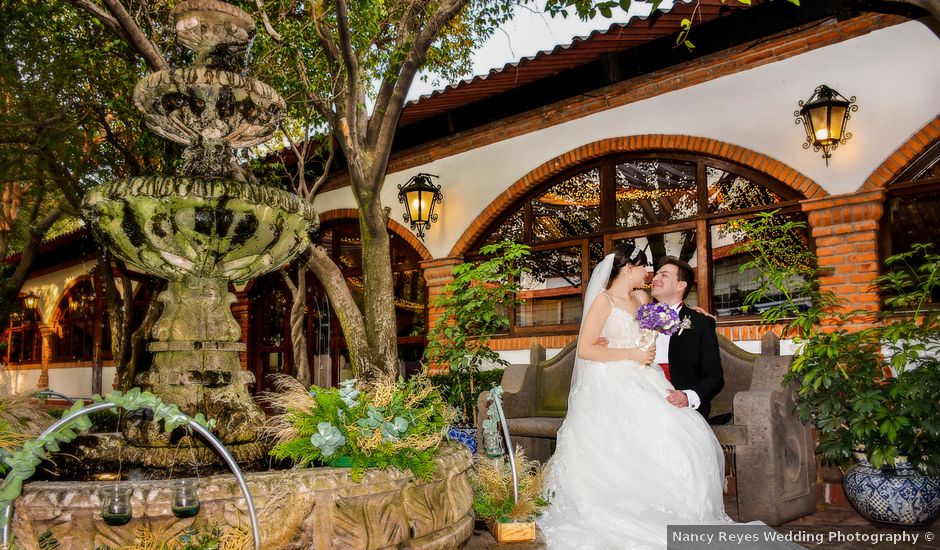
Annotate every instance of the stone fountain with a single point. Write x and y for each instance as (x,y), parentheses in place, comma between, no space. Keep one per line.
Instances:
(201,231)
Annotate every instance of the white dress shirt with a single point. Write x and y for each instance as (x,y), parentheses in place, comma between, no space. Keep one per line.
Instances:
(662,356)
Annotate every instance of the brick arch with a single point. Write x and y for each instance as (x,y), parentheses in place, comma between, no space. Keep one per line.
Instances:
(903,156)
(393,226)
(650,142)
(54,318)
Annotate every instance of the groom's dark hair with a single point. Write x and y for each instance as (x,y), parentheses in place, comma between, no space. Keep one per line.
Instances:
(685,272)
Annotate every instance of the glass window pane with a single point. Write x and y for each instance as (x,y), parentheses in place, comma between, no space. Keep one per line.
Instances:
(551,288)
(681,244)
(410,301)
(511,229)
(915,219)
(727,192)
(653,191)
(730,286)
(569,208)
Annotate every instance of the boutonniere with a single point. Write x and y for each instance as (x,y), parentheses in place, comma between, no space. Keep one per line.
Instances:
(686,323)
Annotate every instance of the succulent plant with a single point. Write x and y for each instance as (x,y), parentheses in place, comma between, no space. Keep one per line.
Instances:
(328,438)
(348,392)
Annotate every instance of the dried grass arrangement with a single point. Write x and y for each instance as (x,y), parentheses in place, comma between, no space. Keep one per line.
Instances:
(21,418)
(493,494)
(387,423)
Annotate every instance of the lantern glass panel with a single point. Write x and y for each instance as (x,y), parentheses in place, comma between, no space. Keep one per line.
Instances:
(837,120)
(819,121)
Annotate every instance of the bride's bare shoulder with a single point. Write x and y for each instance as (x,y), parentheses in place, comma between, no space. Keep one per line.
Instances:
(642,296)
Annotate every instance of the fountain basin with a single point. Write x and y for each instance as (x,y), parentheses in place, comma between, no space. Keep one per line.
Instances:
(309,508)
(206,228)
(184,105)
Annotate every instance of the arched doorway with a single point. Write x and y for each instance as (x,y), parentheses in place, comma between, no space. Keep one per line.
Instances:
(341,239)
(270,348)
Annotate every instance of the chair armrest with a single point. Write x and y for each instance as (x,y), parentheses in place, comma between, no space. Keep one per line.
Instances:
(519,395)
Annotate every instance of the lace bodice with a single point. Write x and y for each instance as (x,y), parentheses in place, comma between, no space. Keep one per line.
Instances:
(621,329)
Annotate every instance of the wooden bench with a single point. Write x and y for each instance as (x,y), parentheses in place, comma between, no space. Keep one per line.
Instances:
(772,460)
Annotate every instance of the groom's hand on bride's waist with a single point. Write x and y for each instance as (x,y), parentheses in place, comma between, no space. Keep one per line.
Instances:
(678,398)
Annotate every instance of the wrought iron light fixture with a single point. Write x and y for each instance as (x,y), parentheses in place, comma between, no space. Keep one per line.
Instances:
(419,196)
(31,301)
(824,116)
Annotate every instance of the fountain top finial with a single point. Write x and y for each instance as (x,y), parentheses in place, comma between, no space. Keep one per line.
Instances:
(206,26)
(211,108)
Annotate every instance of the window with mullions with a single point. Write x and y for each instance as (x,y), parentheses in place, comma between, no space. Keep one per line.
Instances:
(667,204)
(22,338)
(912,208)
(78,318)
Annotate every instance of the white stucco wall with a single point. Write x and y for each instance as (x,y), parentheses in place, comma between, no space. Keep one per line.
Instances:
(51,286)
(893,72)
(20,381)
(76,381)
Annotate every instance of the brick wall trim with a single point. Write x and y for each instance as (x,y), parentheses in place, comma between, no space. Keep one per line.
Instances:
(903,156)
(650,142)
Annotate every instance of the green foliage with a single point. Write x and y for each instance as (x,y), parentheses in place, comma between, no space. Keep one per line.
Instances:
(388,424)
(874,388)
(24,461)
(474,308)
(455,387)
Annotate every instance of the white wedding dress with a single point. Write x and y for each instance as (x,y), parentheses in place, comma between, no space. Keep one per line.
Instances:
(628,463)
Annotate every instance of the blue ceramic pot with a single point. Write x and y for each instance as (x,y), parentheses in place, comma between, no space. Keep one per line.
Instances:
(895,497)
(465,435)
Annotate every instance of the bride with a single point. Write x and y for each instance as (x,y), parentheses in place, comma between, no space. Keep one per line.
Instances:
(627,463)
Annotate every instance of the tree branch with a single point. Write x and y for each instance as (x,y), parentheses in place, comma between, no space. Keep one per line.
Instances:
(419,49)
(267,22)
(350,318)
(104,17)
(129,157)
(352,71)
(136,37)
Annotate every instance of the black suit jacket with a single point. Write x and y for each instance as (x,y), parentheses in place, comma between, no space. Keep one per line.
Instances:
(694,361)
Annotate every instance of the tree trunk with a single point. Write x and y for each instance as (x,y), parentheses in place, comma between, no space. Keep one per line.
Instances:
(120,304)
(298,325)
(139,357)
(381,325)
(346,310)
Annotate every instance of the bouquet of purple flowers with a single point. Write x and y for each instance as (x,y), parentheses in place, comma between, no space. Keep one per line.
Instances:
(658,317)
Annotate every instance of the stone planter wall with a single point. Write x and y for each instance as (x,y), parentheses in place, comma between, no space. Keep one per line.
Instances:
(309,509)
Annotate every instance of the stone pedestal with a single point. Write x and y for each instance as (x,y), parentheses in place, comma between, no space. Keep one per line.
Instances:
(196,364)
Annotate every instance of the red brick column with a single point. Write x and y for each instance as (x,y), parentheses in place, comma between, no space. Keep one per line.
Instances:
(240,311)
(845,230)
(47,337)
(437,273)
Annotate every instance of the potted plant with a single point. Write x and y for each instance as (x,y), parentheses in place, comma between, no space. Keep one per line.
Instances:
(508,519)
(388,423)
(868,382)
(473,308)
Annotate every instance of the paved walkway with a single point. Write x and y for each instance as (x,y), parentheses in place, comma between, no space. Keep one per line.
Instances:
(836,527)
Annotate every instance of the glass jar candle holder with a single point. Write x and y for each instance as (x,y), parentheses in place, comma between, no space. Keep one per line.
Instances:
(493,444)
(185,498)
(116,508)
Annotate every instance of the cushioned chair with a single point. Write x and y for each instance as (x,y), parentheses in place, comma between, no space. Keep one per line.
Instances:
(773,460)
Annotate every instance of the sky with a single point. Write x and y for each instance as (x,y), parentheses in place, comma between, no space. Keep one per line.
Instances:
(532,31)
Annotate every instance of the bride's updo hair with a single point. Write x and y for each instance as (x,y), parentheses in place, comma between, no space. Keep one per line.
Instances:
(625,253)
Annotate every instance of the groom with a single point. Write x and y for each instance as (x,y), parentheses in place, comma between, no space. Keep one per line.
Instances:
(691,355)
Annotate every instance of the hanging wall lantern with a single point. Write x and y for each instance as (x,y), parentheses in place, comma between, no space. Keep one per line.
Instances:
(419,196)
(31,301)
(824,116)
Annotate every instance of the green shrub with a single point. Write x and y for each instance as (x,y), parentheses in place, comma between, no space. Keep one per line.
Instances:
(385,424)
